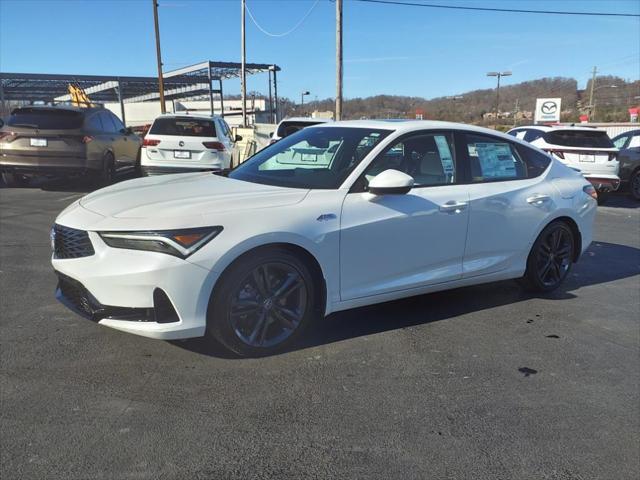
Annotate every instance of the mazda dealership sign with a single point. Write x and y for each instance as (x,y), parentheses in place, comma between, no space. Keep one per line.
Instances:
(547,110)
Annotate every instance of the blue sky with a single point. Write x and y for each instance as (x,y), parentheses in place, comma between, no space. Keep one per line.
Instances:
(387,49)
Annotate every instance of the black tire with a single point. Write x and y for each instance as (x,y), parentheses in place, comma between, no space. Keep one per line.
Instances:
(602,197)
(248,316)
(14,180)
(634,185)
(550,259)
(108,172)
(137,167)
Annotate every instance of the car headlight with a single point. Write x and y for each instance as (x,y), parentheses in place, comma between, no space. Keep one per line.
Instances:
(180,243)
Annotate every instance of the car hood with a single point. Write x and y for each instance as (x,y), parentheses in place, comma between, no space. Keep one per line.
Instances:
(185,195)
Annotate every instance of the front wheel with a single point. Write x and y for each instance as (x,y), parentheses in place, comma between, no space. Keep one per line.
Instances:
(635,185)
(550,258)
(263,303)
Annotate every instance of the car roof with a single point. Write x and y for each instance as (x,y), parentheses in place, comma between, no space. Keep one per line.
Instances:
(408,126)
(187,114)
(549,128)
(306,119)
(63,107)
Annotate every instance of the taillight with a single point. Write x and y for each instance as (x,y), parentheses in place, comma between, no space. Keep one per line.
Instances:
(214,146)
(591,191)
(87,139)
(612,156)
(150,142)
(8,137)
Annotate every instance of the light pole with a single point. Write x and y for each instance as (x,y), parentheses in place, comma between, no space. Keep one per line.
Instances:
(499,75)
(163,108)
(592,99)
(302,95)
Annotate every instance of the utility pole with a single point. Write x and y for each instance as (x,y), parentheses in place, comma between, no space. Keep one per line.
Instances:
(338,59)
(243,67)
(163,108)
(591,90)
(499,75)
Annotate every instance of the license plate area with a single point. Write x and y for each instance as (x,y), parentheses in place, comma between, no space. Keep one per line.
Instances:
(181,154)
(38,142)
(589,157)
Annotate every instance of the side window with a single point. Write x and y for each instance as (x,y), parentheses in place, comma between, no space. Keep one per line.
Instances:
(493,159)
(519,134)
(619,143)
(427,157)
(537,162)
(634,142)
(532,135)
(116,121)
(227,129)
(94,123)
(107,123)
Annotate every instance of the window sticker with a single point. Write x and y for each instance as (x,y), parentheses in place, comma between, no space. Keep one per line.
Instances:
(445,156)
(496,160)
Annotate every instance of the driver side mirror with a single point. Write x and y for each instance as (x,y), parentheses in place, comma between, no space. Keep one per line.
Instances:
(391,182)
(238,138)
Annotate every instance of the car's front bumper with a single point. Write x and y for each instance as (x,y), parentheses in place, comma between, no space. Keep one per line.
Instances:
(115,287)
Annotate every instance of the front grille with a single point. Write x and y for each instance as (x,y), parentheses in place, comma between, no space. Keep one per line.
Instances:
(71,243)
(78,297)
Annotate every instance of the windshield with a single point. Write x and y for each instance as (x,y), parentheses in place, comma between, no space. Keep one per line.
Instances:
(45,119)
(318,157)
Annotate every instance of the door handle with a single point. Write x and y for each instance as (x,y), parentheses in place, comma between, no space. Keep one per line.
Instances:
(453,207)
(538,199)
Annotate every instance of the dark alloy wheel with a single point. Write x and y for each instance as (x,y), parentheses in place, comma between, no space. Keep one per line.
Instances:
(550,258)
(264,302)
(635,185)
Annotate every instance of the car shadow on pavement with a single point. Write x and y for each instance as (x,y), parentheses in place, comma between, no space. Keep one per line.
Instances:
(602,263)
(621,200)
(76,184)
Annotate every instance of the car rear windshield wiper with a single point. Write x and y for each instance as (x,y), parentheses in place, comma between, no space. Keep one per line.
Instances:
(28,125)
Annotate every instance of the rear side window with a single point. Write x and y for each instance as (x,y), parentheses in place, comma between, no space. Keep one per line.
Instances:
(107,123)
(493,159)
(287,128)
(45,119)
(537,162)
(532,135)
(579,138)
(184,127)
(94,123)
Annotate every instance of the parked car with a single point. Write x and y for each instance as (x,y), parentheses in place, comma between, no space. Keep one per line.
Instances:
(333,217)
(629,158)
(178,143)
(65,140)
(291,125)
(586,149)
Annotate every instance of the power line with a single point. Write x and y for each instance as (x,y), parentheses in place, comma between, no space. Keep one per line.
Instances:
(277,35)
(504,10)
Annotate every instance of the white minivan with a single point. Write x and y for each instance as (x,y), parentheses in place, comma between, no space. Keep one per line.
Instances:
(181,142)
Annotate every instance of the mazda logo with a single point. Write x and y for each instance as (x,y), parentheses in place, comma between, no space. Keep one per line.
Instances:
(549,108)
(182,143)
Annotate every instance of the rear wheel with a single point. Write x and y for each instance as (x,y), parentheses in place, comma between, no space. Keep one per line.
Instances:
(550,258)
(107,174)
(635,185)
(263,303)
(602,197)
(137,166)
(15,180)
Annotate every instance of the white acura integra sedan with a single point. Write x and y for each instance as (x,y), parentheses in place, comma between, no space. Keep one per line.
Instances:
(332,217)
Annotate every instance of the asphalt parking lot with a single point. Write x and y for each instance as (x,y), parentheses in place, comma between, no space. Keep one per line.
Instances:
(484,382)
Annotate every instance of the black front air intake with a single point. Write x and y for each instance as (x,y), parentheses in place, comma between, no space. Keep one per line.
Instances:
(71,243)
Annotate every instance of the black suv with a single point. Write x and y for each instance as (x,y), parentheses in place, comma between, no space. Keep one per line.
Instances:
(65,140)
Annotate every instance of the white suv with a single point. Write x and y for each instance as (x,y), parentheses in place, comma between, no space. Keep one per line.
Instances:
(291,125)
(586,149)
(185,142)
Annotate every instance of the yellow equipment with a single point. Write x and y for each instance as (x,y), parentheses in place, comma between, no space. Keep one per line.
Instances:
(78,96)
